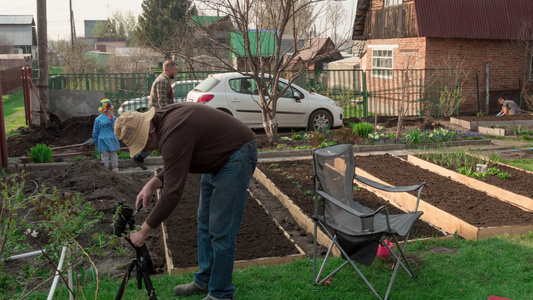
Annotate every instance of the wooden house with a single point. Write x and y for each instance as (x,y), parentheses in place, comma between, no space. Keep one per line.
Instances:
(486,42)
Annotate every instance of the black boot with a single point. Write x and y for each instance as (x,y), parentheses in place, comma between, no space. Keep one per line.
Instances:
(139,161)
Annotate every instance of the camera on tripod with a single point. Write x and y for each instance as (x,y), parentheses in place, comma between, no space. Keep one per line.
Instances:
(125,217)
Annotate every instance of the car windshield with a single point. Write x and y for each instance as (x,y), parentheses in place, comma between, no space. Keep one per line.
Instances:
(207,84)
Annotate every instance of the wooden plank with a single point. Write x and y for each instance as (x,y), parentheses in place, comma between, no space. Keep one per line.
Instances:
(168,253)
(520,201)
(493,231)
(494,131)
(241,264)
(432,214)
(301,218)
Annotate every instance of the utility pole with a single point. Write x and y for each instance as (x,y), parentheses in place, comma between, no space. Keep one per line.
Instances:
(72,26)
(42,48)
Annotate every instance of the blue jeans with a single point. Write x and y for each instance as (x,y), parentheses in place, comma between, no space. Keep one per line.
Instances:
(222,200)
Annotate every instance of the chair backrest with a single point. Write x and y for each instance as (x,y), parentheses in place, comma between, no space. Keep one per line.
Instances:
(334,169)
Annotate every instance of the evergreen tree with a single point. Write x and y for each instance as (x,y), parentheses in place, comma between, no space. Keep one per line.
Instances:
(159,20)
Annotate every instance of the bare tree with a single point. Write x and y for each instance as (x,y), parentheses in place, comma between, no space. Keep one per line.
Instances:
(6,46)
(522,47)
(257,46)
(73,58)
(131,60)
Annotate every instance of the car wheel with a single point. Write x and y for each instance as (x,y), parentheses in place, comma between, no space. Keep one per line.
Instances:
(320,119)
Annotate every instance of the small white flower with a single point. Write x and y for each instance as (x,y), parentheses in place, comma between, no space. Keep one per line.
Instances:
(34,234)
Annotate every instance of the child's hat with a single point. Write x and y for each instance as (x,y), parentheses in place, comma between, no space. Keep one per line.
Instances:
(105,104)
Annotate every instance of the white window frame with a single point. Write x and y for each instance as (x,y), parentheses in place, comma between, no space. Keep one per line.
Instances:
(392,2)
(380,53)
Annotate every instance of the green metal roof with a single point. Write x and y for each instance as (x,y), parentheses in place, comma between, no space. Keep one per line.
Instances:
(262,45)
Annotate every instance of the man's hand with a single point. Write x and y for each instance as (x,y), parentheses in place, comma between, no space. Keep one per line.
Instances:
(146,195)
(137,238)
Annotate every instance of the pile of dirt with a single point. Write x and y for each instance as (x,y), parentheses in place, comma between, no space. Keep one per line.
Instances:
(71,132)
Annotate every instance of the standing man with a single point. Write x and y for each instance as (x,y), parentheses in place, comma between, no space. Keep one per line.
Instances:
(161,94)
(224,151)
(509,107)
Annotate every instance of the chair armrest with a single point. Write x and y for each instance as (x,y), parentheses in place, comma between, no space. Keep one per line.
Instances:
(395,189)
(346,207)
(388,188)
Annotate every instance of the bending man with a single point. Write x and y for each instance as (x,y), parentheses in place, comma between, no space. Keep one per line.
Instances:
(198,139)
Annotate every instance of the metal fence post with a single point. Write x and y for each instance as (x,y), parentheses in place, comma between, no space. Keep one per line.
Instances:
(365,94)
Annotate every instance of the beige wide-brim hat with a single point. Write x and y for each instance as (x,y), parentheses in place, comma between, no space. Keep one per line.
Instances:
(132,128)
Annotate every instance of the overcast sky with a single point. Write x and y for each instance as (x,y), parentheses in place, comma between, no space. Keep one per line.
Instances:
(59,16)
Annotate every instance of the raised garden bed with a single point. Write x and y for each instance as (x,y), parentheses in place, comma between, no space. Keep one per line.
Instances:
(261,241)
(515,190)
(292,182)
(449,204)
(473,214)
(496,131)
(473,122)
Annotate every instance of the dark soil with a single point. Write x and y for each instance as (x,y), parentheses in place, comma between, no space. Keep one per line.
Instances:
(71,132)
(519,183)
(474,207)
(295,179)
(102,188)
(259,236)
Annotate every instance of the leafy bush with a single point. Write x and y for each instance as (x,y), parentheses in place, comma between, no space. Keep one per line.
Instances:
(362,129)
(40,153)
(450,100)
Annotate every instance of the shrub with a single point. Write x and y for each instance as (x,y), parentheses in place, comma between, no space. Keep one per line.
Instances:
(362,129)
(40,153)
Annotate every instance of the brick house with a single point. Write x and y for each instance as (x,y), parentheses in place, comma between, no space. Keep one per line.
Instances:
(478,38)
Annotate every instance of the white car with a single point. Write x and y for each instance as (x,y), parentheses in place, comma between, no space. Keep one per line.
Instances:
(181,88)
(237,95)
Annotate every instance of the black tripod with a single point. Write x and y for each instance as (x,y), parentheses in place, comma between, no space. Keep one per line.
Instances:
(144,267)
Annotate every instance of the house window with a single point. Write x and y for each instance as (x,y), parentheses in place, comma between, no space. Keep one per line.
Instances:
(392,2)
(382,63)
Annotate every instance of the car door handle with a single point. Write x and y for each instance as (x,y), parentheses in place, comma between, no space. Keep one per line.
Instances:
(235,100)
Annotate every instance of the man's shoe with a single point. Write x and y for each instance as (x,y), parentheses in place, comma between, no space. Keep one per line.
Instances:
(213,298)
(139,163)
(189,289)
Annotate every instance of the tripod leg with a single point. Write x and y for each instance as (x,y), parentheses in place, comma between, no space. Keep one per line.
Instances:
(149,286)
(125,281)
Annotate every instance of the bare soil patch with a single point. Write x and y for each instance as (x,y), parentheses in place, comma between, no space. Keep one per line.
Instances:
(474,207)
(259,236)
(295,179)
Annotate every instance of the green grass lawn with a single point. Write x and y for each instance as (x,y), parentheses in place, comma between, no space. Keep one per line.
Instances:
(446,269)
(14,116)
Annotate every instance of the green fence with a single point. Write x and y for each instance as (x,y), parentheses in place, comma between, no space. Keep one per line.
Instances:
(360,92)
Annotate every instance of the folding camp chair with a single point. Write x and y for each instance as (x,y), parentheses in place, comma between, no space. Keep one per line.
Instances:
(355,229)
